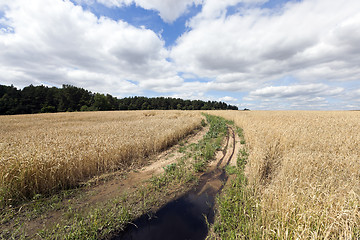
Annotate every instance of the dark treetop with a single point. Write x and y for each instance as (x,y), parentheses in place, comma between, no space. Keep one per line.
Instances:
(41,99)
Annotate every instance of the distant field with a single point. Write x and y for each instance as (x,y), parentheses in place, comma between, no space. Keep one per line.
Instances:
(43,153)
(305,168)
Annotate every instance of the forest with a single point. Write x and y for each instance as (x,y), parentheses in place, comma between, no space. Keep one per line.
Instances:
(43,99)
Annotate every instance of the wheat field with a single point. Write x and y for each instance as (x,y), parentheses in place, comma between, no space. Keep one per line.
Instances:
(305,167)
(43,153)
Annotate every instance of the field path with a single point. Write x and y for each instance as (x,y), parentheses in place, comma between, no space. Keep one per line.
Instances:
(213,179)
(229,152)
(137,177)
(177,218)
(108,186)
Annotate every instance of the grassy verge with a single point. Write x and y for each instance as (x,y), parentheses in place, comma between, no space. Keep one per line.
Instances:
(206,148)
(200,154)
(239,214)
(106,219)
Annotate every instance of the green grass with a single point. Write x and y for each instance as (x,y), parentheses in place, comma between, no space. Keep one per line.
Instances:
(206,148)
(238,213)
(37,206)
(230,170)
(108,218)
(112,217)
(115,218)
(96,224)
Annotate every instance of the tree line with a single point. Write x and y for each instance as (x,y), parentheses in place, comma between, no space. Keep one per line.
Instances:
(43,99)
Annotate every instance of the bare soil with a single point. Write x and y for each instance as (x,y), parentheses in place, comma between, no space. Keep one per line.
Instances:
(109,186)
(183,217)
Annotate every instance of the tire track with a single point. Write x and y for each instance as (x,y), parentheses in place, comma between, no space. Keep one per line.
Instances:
(214,180)
(230,137)
(225,149)
(233,146)
(192,212)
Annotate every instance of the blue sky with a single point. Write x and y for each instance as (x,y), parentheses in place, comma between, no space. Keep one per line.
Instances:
(138,16)
(257,54)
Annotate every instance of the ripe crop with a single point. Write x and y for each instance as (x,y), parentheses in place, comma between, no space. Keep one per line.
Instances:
(43,153)
(305,169)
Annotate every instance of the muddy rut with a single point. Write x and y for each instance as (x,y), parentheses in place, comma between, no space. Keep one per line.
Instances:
(190,208)
(189,216)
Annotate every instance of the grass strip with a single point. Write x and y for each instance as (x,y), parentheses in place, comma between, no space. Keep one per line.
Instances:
(111,217)
(238,213)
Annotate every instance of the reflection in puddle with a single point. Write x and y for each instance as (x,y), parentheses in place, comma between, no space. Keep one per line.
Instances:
(183,218)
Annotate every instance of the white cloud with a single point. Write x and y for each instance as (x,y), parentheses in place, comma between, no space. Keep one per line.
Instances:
(169,10)
(190,96)
(309,96)
(56,42)
(310,40)
(162,85)
(352,98)
(228,99)
(214,8)
(246,50)
(295,91)
(240,86)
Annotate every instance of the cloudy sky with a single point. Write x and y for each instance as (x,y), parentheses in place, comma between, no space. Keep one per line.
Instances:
(258,54)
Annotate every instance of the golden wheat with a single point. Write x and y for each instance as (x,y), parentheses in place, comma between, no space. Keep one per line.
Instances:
(306,168)
(46,152)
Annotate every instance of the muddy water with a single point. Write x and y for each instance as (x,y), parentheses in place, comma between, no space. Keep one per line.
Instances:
(187,216)
(183,218)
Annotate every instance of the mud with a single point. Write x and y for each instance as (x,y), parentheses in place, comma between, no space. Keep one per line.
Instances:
(184,218)
(189,216)
(109,186)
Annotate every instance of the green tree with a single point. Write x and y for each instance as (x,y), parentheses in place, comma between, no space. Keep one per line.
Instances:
(101,102)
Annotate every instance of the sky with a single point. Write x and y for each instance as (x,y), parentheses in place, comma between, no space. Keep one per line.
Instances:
(256,54)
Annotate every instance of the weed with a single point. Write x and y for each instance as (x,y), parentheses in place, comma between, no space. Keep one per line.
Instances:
(107,218)
(182,149)
(239,214)
(170,168)
(206,148)
(199,166)
(230,170)
(203,123)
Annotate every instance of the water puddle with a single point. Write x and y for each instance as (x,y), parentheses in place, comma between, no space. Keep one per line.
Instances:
(183,218)
(187,217)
